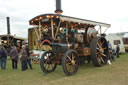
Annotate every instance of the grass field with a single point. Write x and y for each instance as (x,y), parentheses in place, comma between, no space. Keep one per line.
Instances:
(115,74)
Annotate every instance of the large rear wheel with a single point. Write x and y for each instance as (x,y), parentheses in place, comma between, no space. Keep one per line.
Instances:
(47,62)
(99,51)
(70,62)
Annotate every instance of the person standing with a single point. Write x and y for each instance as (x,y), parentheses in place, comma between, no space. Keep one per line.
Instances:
(14,57)
(29,59)
(117,51)
(111,52)
(109,46)
(24,58)
(3,57)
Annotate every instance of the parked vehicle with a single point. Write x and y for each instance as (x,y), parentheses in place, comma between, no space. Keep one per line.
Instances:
(114,40)
(125,41)
(9,40)
(65,40)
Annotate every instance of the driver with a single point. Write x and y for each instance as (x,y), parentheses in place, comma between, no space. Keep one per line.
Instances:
(46,34)
(61,35)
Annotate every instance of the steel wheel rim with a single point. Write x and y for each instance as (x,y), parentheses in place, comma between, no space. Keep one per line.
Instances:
(71,62)
(101,51)
(48,59)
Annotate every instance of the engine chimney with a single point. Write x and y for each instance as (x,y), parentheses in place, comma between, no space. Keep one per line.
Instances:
(58,7)
(8,26)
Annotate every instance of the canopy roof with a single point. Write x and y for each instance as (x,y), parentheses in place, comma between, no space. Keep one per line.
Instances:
(7,35)
(35,20)
(125,35)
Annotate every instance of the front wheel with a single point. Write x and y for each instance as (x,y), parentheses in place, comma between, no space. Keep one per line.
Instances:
(70,62)
(47,62)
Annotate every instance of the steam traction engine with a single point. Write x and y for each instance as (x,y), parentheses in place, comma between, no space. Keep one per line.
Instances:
(66,41)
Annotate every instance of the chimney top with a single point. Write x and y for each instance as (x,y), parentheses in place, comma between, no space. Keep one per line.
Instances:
(58,7)
(8,25)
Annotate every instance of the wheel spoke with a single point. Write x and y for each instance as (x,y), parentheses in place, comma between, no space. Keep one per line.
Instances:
(102,59)
(45,65)
(97,53)
(71,68)
(98,48)
(69,58)
(48,67)
(67,64)
(98,45)
(104,48)
(103,55)
(51,66)
(99,60)
(73,57)
(102,43)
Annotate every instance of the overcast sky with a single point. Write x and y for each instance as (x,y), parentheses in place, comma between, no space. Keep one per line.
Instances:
(114,12)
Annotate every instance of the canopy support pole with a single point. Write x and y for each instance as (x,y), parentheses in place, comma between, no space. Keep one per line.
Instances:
(52,28)
(37,35)
(105,30)
(40,29)
(57,29)
(100,30)
(67,31)
(8,41)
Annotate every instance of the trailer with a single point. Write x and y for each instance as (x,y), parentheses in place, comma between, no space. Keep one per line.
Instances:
(125,41)
(114,40)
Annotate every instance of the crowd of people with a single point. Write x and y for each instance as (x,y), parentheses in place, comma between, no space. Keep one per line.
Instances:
(15,54)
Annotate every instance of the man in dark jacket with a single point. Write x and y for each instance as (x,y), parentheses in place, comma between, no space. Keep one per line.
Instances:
(14,57)
(29,59)
(3,57)
(117,50)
